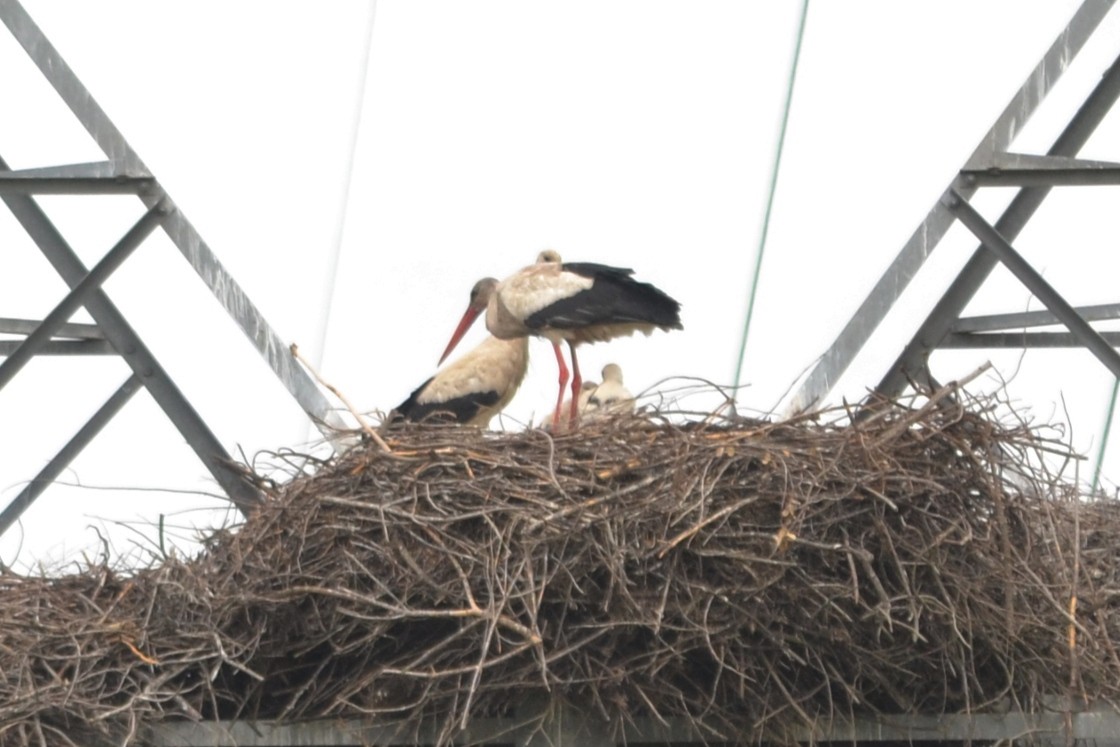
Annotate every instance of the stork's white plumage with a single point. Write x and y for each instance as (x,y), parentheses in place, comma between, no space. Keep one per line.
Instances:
(474,388)
(575,302)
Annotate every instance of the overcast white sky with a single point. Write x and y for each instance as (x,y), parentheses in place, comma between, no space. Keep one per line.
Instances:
(357,184)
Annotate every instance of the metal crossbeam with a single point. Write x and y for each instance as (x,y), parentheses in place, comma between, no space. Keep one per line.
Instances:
(914,357)
(80,292)
(572,728)
(987,161)
(995,243)
(70,331)
(132,349)
(1018,320)
(1024,170)
(993,340)
(98,178)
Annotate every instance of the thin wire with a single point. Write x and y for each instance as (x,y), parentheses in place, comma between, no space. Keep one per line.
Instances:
(1104,436)
(773,189)
(359,107)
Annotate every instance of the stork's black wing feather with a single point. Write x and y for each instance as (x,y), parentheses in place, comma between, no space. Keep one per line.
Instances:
(614,298)
(458,409)
(594,269)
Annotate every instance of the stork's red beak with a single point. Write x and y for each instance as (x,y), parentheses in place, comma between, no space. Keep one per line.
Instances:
(468,319)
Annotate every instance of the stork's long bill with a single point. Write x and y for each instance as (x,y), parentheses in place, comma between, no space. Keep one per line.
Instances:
(468,319)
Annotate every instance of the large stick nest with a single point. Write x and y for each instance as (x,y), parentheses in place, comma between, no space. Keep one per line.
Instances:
(744,576)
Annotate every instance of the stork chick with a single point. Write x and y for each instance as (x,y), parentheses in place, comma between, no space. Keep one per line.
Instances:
(611,396)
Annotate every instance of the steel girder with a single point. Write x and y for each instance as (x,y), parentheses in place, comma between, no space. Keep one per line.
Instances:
(991,164)
(123,172)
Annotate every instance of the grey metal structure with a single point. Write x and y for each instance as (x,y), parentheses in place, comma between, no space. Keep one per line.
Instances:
(991,164)
(122,173)
(578,727)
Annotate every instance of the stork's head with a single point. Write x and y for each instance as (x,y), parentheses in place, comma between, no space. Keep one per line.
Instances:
(612,372)
(480,299)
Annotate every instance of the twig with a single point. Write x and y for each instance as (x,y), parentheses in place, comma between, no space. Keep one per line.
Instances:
(342,398)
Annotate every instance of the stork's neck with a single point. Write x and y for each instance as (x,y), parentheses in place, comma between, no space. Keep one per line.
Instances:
(501,322)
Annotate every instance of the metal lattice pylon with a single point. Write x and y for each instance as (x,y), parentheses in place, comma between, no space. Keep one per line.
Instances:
(992,164)
(122,172)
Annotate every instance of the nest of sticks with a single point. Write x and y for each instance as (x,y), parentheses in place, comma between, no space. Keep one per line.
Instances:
(746,576)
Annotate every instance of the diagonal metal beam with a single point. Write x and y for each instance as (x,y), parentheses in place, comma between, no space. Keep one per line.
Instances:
(80,292)
(835,361)
(232,297)
(73,447)
(1022,207)
(133,350)
(1035,283)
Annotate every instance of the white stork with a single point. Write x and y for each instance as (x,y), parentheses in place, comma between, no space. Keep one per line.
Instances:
(474,388)
(572,301)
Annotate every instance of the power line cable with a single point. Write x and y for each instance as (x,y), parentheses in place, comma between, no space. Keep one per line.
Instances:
(1104,436)
(359,107)
(773,188)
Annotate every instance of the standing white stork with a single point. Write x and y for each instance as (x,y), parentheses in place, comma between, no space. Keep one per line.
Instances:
(572,301)
(474,388)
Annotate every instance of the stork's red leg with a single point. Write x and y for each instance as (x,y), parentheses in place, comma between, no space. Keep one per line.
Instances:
(563,383)
(577,384)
